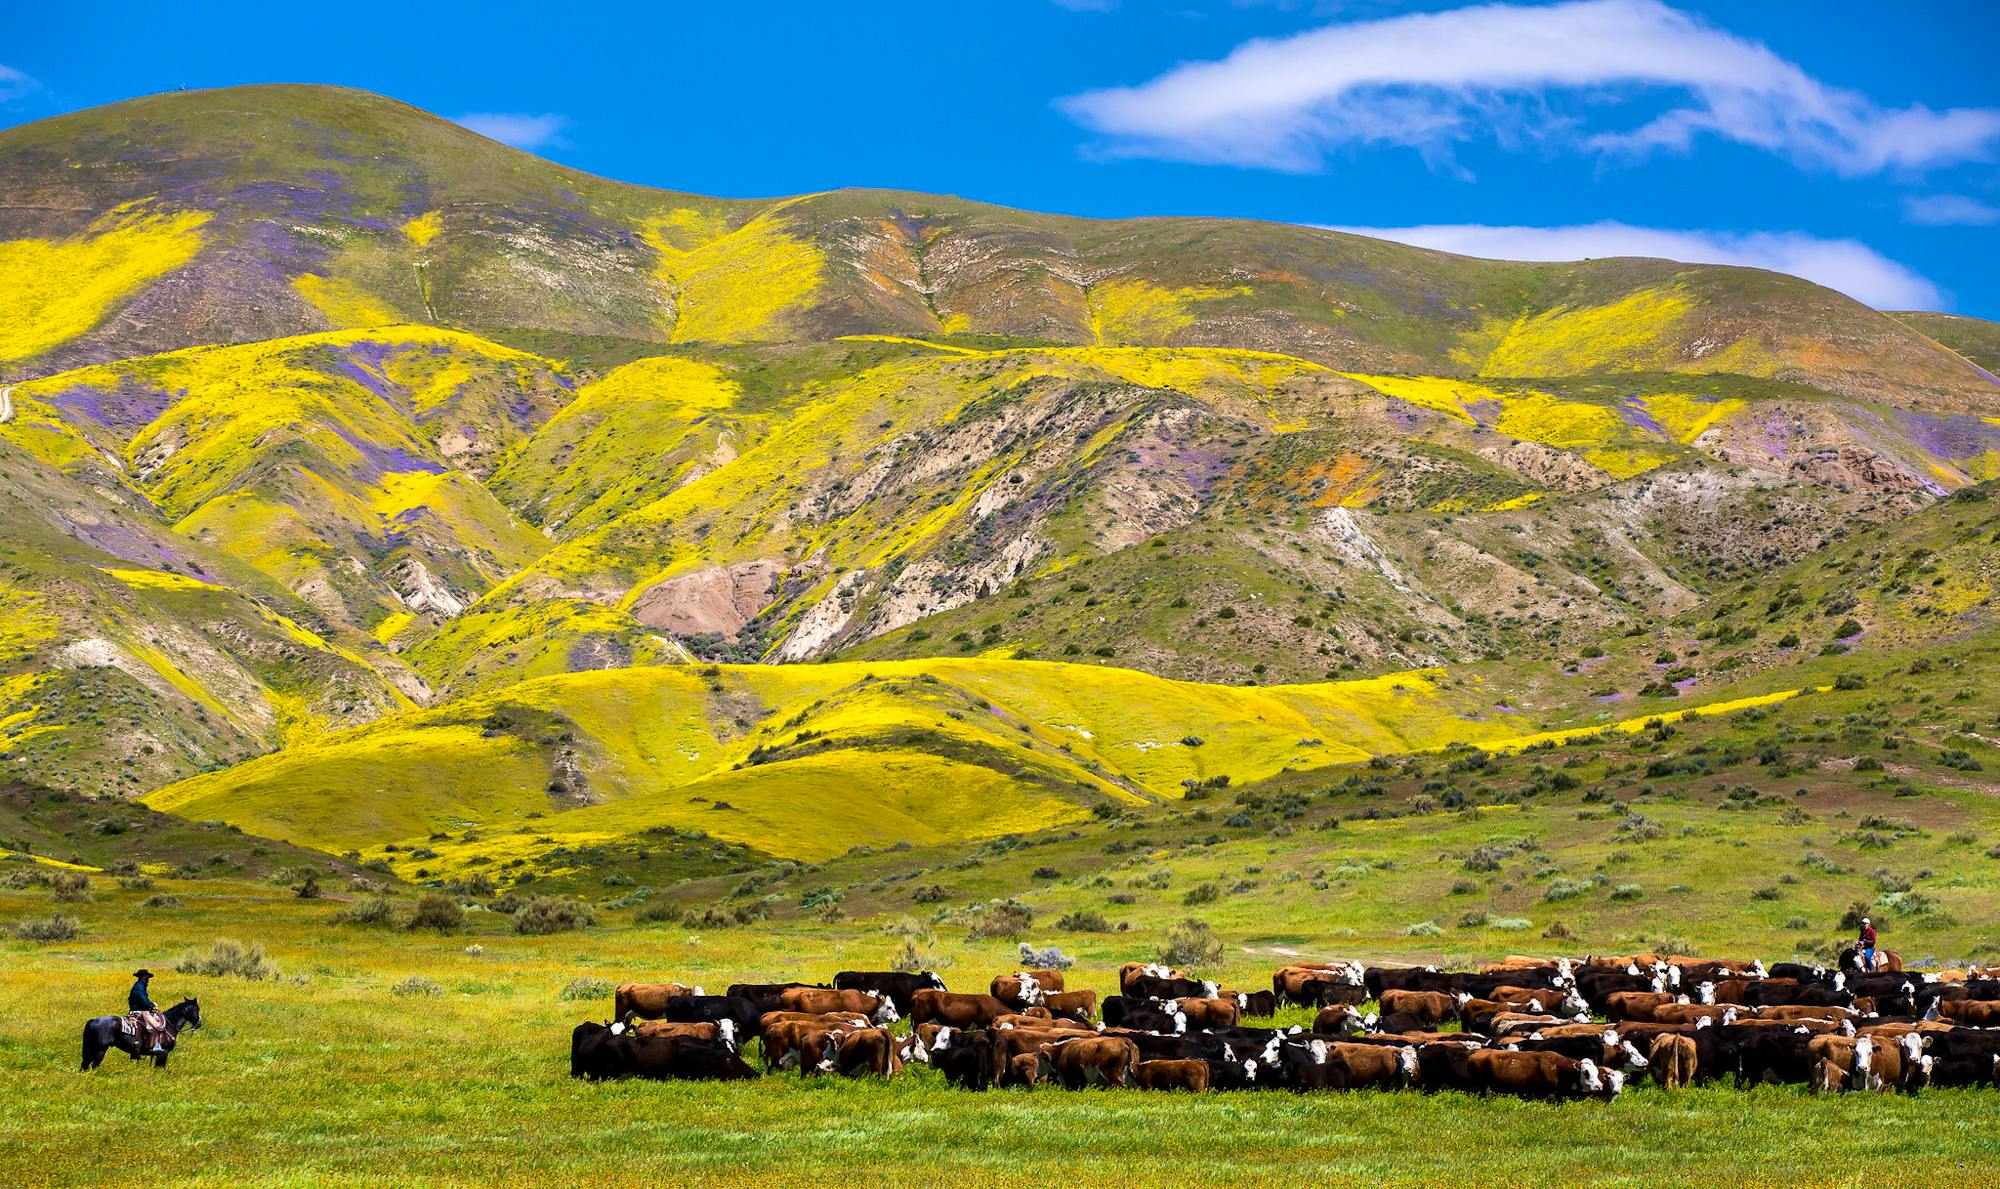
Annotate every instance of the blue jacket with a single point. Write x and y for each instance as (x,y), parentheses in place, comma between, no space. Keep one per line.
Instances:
(139,1000)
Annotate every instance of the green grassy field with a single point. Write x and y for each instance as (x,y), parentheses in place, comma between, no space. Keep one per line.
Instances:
(326,1076)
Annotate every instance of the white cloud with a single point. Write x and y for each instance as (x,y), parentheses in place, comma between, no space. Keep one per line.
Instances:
(1950,210)
(1432,80)
(519,129)
(14,84)
(1853,268)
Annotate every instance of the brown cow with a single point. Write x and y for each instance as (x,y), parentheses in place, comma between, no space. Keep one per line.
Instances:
(858,1051)
(789,1041)
(1338,1021)
(1540,1074)
(1827,1078)
(1173,1075)
(1432,1007)
(1694,1013)
(646,1000)
(1973,1013)
(955,1008)
(1017,991)
(1538,999)
(1034,1017)
(1209,1013)
(1024,1069)
(1132,971)
(877,1008)
(722,1033)
(1800,1012)
(1640,1006)
(1391,1067)
(1673,1060)
(1080,1006)
(1090,1061)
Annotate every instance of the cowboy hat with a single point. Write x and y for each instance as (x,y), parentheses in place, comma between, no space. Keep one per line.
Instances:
(142,972)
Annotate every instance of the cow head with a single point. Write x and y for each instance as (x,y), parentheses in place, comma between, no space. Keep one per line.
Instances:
(886,1014)
(943,1039)
(912,1051)
(1180,1021)
(1243,1001)
(618,1028)
(1406,1064)
(1610,1037)
(1463,998)
(1840,982)
(1634,1059)
(1757,969)
(1681,1000)
(1659,984)
(1272,1049)
(1704,1022)
(1564,970)
(1614,1083)
(1707,993)
(1912,1046)
(1593,1082)
(1573,1002)
(698,991)
(1210,990)
(1632,968)
(935,982)
(1368,1021)
(1250,1070)
(725,1031)
(1295,1029)
(1318,1048)
(1847,1027)
(1729,1014)
(831,1061)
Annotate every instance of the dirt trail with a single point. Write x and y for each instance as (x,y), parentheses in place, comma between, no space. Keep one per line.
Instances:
(6,404)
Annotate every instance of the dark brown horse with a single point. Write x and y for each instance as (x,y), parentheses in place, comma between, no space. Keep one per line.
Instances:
(105,1033)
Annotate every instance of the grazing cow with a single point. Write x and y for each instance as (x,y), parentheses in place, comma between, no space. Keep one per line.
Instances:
(866,1050)
(1378,979)
(1385,1066)
(1541,1075)
(664,1058)
(1208,1013)
(789,1041)
(648,1001)
(698,1009)
(965,1058)
(1400,1022)
(896,986)
(1966,1069)
(959,1010)
(1642,1006)
(1607,1049)
(1147,986)
(1307,983)
(1024,1069)
(1260,1004)
(1080,1006)
(1337,1021)
(767,995)
(826,999)
(1172,1075)
(718,1032)
(1674,1061)
(1090,1061)
(1129,973)
(1017,991)
(1429,1007)
(1445,1066)
(1779,1053)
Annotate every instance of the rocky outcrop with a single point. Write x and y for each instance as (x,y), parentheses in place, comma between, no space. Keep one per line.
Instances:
(719,599)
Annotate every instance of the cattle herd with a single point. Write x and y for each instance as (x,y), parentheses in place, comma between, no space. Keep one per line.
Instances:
(1558,1029)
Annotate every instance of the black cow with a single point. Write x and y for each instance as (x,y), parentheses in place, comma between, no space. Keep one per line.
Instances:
(765,995)
(710,1009)
(1443,1065)
(1778,1053)
(898,987)
(590,1053)
(1261,1004)
(1377,979)
(967,1060)
(1146,986)
(665,1058)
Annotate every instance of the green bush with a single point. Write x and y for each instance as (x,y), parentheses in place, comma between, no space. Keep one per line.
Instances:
(553,914)
(416,987)
(1201,893)
(1190,945)
(226,959)
(58,927)
(1084,921)
(587,987)
(376,910)
(438,912)
(1002,918)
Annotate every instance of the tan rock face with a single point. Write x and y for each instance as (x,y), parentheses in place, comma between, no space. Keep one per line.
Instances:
(720,599)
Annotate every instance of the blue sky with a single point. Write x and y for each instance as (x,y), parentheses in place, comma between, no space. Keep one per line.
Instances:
(1858,144)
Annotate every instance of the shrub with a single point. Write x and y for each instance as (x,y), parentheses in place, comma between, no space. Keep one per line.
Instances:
(1046,957)
(1511,924)
(1201,893)
(928,894)
(586,987)
(224,958)
(160,900)
(1797,923)
(1565,889)
(58,927)
(416,987)
(553,914)
(1047,873)
(1084,921)
(1463,887)
(376,910)
(1422,929)
(435,910)
(140,884)
(657,912)
(1192,944)
(1002,918)
(1559,931)
(307,888)
(1628,891)
(1472,920)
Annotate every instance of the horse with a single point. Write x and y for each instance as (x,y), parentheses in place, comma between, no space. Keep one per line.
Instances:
(105,1033)
(1885,960)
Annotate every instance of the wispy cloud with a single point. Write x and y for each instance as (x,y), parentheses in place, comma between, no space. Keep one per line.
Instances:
(14,84)
(519,129)
(1853,268)
(1560,72)
(1950,210)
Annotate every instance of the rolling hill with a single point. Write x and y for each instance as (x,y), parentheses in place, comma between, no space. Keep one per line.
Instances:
(370,481)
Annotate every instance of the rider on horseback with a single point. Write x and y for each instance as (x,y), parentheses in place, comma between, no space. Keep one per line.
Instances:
(140,999)
(1867,945)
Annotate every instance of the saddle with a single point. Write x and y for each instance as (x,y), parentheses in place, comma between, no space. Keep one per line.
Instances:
(145,1029)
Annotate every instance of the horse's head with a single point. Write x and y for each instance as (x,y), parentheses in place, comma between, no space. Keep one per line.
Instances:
(189,1010)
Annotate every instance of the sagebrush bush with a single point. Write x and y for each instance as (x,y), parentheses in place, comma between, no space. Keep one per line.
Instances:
(1045,957)
(657,912)
(1084,921)
(161,900)
(1191,944)
(1422,929)
(553,914)
(224,959)
(376,910)
(587,987)
(438,912)
(57,927)
(1002,918)
(416,987)
(1201,893)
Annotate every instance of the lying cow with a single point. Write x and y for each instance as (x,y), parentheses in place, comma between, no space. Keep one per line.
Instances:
(646,1000)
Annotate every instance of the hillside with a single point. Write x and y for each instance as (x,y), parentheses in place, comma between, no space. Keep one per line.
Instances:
(373,484)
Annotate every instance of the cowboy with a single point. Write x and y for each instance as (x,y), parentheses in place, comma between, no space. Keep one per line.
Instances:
(139,1001)
(1867,945)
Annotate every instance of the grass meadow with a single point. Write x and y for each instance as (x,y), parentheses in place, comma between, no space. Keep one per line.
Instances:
(326,1075)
